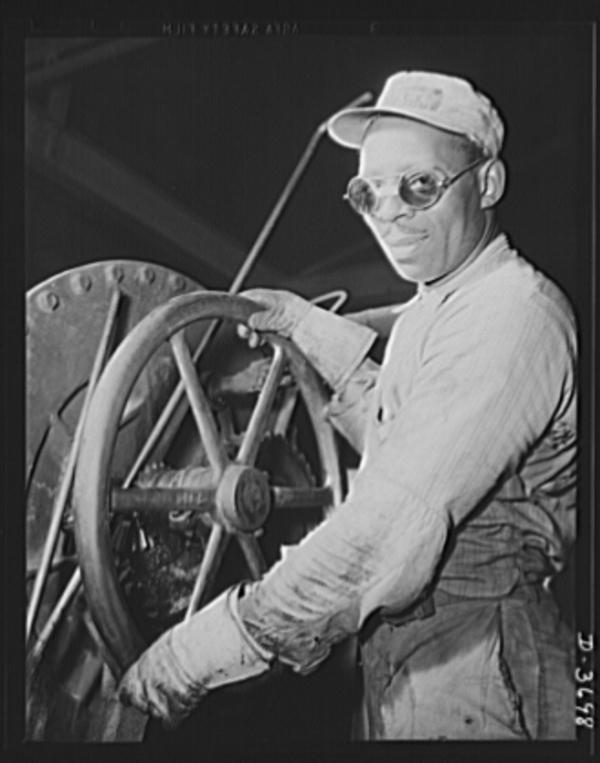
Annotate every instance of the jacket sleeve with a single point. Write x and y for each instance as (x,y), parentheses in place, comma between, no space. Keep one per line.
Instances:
(337,347)
(486,390)
(349,408)
(333,344)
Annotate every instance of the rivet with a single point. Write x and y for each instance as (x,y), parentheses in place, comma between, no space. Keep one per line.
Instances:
(114,274)
(176,282)
(80,283)
(47,301)
(147,275)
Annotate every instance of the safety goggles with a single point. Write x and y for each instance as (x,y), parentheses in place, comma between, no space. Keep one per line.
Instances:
(418,190)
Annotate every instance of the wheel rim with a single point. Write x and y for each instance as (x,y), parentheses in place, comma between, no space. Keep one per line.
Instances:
(93,489)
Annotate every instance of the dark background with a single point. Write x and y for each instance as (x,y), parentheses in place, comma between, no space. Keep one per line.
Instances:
(212,126)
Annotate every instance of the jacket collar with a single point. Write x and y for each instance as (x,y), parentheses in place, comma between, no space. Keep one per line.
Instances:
(496,253)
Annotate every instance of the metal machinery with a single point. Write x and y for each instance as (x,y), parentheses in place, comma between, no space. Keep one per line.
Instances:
(166,460)
(152,482)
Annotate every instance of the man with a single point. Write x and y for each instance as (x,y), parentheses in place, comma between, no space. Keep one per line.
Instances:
(463,507)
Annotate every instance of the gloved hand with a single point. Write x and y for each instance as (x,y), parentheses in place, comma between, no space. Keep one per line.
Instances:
(211,649)
(334,345)
(283,311)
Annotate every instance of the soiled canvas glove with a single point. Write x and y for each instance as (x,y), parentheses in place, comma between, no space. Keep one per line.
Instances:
(334,345)
(283,310)
(210,650)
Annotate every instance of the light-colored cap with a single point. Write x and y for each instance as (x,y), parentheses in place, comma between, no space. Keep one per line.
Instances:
(449,103)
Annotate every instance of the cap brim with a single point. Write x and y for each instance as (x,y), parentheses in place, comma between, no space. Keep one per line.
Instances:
(348,127)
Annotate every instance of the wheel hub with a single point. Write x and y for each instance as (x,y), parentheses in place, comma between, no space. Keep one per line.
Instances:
(243,498)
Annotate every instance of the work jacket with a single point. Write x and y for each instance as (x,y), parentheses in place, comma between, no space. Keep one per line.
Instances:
(461,512)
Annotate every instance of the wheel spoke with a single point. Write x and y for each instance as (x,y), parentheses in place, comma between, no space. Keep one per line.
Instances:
(215,548)
(264,403)
(199,404)
(286,411)
(254,556)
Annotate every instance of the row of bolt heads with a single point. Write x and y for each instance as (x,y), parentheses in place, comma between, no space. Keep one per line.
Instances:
(48,300)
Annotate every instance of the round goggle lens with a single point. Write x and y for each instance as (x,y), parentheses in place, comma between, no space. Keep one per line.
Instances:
(361,196)
(418,191)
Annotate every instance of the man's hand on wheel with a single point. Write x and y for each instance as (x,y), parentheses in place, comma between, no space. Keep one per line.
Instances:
(282,312)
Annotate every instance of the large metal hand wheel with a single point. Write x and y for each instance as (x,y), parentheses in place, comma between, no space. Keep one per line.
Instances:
(226,492)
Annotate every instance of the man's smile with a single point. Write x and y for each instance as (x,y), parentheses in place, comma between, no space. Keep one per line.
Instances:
(404,237)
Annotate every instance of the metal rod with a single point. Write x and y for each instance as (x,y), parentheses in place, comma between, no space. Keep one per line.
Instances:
(215,548)
(69,591)
(202,500)
(251,442)
(67,479)
(163,500)
(65,599)
(254,556)
(300,497)
(271,221)
(286,411)
(56,565)
(275,214)
(199,404)
(155,433)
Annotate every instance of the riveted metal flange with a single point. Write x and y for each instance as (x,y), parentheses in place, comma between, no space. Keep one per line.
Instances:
(47,300)
(80,283)
(114,274)
(64,318)
(146,275)
(177,282)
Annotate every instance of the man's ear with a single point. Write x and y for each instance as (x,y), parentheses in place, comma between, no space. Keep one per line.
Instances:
(492,180)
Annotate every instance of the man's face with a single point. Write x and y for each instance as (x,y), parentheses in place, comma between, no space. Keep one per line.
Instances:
(421,245)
